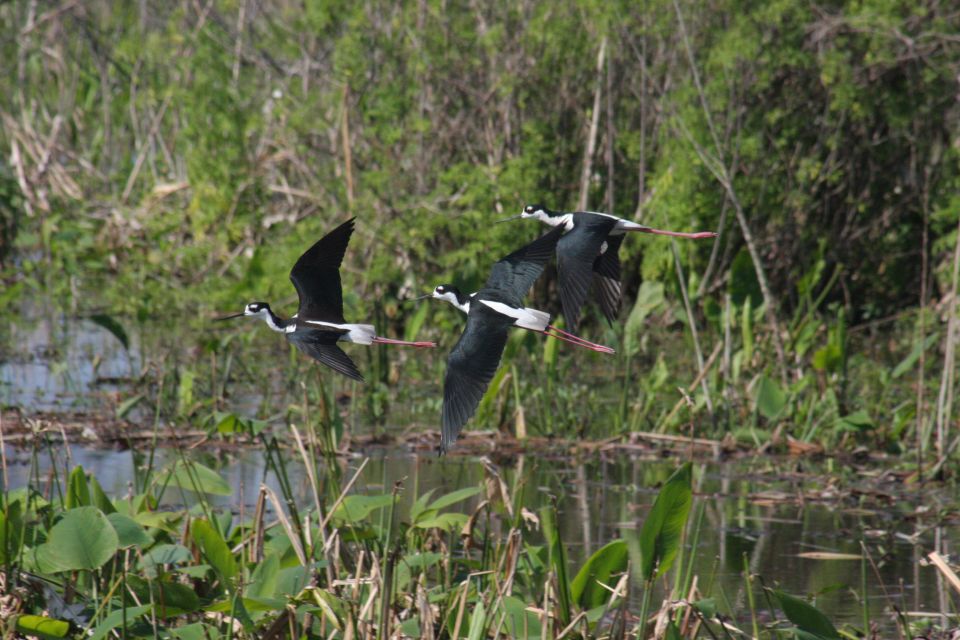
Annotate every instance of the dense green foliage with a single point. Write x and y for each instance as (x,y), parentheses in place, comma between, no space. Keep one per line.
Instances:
(186,153)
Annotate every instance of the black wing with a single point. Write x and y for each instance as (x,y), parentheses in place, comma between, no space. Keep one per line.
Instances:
(321,344)
(514,275)
(470,366)
(606,277)
(316,275)
(576,253)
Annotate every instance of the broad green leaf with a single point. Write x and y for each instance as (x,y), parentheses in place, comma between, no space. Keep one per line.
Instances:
(214,549)
(770,399)
(649,298)
(195,477)
(115,619)
(196,631)
(166,554)
(663,529)
(410,628)
(420,505)
(83,539)
(11,529)
(445,521)
(520,623)
(41,627)
(170,598)
(356,508)
(129,533)
(806,617)
(478,621)
(112,325)
(672,632)
(78,492)
(600,567)
(263,582)
(98,498)
(454,497)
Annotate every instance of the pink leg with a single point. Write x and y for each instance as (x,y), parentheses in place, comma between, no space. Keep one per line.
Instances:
(572,339)
(698,235)
(403,343)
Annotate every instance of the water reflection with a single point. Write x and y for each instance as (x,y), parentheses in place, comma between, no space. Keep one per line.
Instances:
(749,517)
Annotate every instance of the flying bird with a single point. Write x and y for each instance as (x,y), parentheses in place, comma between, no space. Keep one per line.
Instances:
(318,324)
(491,312)
(588,254)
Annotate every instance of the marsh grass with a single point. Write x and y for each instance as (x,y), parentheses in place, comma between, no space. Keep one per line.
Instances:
(167,560)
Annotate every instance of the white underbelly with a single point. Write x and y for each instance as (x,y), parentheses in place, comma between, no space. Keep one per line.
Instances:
(356,333)
(525,317)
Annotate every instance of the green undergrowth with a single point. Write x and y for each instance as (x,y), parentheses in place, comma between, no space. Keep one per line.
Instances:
(343,563)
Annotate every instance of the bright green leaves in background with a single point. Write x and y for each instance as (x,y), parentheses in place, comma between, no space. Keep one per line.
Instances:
(662,531)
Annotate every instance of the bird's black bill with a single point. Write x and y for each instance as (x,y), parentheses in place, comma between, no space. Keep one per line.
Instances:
(510,218)
(230,317)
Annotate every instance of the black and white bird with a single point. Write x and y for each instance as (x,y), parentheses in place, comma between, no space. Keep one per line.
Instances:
(318,324)
(588,254)
(491,312)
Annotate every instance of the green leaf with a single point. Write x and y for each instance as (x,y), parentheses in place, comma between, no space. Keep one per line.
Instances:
(129,533)
(112,325)
(557,558)
(170,598)
(454,497)
(662,531)
(263,582)
(770,399)
(520,623)
(806,617)
(420,505)
(166,554)
(356,508)
(83,539)
(41,627)
(415,322)
(127,405)
(911,360)
(78,493)
(115,619)
(195,631)
(444,521)
(600,567)
(193,476)
(649,298)
(856,422)
(98,498)
(478,620)
(214,549)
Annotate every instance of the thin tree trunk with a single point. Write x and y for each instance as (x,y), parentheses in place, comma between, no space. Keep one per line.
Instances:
(592,133)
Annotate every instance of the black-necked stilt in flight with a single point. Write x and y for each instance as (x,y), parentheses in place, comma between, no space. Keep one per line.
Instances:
(588,252)
(318,324)
(491,312)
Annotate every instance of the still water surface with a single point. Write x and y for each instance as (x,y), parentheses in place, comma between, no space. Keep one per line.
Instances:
(751,514)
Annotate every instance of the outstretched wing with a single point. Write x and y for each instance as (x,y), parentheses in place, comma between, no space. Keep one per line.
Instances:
(316,275)
(606,277)
(514,275)
(470,366)
(577,251)
(321,345)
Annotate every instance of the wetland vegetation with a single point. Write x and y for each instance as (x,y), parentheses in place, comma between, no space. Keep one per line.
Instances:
(166,162)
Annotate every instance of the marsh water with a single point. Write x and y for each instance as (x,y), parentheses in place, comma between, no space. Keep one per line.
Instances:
(771,514)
